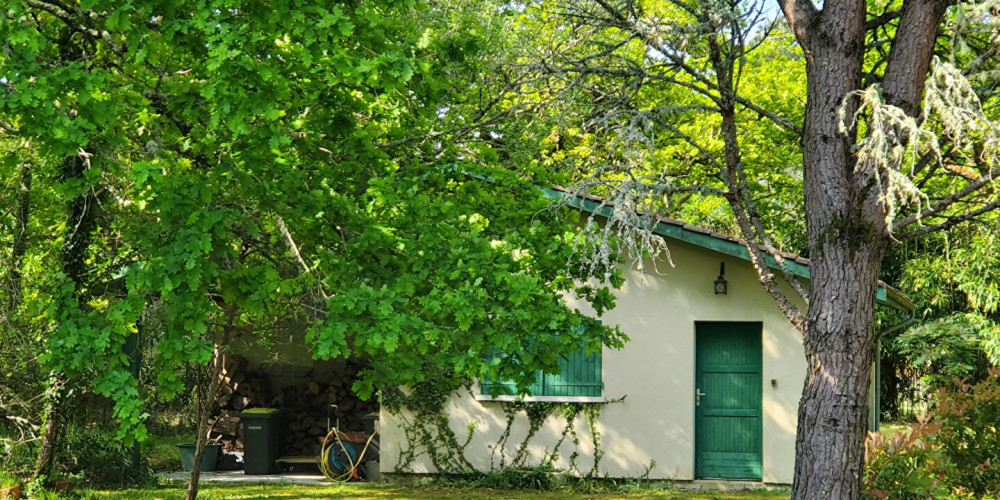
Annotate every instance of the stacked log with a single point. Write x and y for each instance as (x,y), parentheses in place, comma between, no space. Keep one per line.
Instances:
(305,404)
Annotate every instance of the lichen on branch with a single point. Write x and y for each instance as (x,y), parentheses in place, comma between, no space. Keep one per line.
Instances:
(893,142)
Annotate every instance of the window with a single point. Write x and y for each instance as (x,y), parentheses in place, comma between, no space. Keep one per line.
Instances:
(579,379)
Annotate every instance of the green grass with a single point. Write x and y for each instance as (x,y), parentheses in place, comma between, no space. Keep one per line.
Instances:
(387,492)
(890,429)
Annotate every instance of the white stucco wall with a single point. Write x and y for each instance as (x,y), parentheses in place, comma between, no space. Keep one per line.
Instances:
(656,371)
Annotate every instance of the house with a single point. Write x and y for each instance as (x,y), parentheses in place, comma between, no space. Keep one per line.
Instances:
(711,380)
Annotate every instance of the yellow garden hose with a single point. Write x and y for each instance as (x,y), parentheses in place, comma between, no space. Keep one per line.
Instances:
(328,448)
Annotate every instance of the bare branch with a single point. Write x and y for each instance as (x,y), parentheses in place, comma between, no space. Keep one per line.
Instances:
(948,201)
(21,422)
(765,240)
(738,196)
(764,274)
(691,141)
(784,122)
(950,222)
(653,42)
(298,256)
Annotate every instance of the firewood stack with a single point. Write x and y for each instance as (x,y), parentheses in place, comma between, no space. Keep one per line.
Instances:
(304,401)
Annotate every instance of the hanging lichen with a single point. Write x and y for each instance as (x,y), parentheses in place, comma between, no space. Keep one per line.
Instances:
(894,143)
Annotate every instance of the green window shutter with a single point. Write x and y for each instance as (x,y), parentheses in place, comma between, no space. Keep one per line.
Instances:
(579,375)
(506,387)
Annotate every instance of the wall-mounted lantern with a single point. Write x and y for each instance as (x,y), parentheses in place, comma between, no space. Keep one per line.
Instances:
(721,285)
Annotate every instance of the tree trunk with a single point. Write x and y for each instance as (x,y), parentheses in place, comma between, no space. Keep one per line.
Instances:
(20,244)
(206,400)
(840,346)
(81,222)
(847,241)
(46,453)
(848,234)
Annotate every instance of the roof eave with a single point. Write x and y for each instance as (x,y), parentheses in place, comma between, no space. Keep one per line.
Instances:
(676,230)
(683,232)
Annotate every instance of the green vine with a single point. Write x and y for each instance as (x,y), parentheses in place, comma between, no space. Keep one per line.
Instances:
(426,429)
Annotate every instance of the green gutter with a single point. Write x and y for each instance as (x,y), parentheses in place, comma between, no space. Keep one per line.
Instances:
(894,298)
(910,319)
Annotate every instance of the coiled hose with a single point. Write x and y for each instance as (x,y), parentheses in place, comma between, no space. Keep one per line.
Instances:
(334,443)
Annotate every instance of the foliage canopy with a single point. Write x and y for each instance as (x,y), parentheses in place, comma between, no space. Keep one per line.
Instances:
(245,166)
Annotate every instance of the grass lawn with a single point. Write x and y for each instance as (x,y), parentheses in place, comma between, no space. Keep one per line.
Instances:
(892,428)
(387,492)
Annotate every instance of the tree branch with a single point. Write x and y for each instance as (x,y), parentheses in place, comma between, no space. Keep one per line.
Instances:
(881,20)
(69,20)
(765,240)
(952,221)
(690,140)
(911,53)
(298,256)
(738,195)
(801,14)
(654,43)
(948,201)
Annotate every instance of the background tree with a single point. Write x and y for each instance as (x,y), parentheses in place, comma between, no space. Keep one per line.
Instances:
(951,277)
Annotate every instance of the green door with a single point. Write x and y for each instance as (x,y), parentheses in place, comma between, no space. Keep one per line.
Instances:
(728,400)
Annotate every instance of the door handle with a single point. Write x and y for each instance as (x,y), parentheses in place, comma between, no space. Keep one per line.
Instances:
(697,396)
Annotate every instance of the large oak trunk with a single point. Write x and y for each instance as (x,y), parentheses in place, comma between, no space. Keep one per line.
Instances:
(848,233)
(839,352)
(846,226)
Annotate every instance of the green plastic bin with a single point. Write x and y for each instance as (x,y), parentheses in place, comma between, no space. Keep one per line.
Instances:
(208,460)
(263,440)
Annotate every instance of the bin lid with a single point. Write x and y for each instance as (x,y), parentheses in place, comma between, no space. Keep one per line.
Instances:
(260,411)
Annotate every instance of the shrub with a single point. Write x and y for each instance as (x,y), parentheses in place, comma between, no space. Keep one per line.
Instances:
(18,452)
(8,479)
(38,493)
(956,451)
(908,465)
(519,478)
(969,416)
(46,495)
(103,460)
